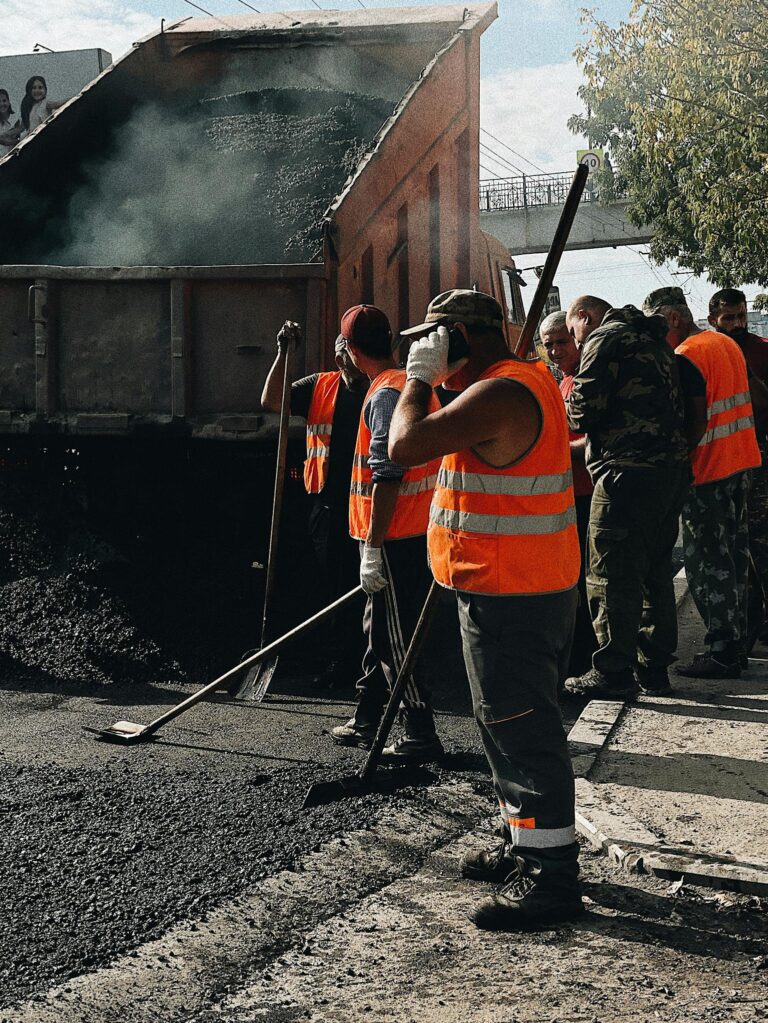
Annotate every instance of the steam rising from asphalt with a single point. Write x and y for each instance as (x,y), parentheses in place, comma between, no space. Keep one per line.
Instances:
(240,179)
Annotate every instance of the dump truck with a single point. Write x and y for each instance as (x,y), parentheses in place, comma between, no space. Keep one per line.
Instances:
(225,175)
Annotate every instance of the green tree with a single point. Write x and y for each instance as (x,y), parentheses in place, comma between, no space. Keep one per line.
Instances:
(760,303)
(679,93)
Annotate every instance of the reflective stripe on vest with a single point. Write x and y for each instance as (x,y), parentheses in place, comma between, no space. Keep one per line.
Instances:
(319,430)
(505,531)
(729,444)
(415,491)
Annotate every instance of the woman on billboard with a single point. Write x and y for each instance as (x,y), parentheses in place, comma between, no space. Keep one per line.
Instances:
(36,107)
(9,124)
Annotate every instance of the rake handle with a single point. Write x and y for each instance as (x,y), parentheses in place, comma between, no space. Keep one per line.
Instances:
(253,659)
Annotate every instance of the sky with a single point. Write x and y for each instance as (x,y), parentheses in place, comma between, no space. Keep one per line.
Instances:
(529,81)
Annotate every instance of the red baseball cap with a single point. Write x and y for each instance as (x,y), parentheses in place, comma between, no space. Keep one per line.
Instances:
(366,325)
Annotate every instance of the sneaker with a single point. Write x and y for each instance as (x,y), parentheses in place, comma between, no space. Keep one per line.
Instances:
(413,750)
(355,733)
(597,686)
(530,898)
(493,865)
(709,666)
(653,681)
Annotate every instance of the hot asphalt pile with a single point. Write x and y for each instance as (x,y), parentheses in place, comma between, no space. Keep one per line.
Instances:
(242,178)
(303,144)
(62,620)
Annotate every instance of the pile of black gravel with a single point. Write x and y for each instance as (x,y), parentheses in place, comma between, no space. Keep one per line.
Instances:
(62,618)
(304,144)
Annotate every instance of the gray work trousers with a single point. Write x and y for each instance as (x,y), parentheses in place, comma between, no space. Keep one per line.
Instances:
(516,650)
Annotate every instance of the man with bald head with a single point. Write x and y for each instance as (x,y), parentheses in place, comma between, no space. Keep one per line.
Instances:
(626,399)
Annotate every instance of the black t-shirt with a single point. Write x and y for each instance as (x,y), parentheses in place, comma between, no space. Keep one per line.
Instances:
(346,420)
(692,383)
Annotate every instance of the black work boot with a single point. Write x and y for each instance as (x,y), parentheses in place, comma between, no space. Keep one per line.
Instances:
(493,865)
(420,742)
(361,729)
(653,681)
(598,685)
(710,666)
(542,889)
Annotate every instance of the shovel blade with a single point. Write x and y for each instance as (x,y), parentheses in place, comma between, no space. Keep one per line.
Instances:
(124,732)
(383,783)
(257,681)
(323,792)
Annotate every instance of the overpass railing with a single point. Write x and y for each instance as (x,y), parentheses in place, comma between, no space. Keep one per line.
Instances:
(530,190)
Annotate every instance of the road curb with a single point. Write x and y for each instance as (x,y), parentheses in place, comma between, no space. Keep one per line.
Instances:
(629,843)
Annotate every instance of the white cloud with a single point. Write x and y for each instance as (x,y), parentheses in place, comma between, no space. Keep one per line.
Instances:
(528,109)
(74,25)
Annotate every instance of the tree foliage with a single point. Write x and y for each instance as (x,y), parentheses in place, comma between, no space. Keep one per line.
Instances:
(679,93)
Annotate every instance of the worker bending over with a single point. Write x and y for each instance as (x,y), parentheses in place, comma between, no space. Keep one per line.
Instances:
(388,513)
(720,428)
(502,535)
(331,404)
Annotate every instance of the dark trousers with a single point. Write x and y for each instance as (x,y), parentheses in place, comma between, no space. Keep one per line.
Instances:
(633,527)
(388,622)
(515,651)
(716,553)
(338,558)
(757,512)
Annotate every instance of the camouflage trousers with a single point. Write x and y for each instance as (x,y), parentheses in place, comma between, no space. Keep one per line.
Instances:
(633,527)
(758,546)
(716,553)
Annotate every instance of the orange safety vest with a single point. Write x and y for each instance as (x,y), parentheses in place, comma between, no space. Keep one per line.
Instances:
(319,430)
(504,531)
(729,444)
(415,493)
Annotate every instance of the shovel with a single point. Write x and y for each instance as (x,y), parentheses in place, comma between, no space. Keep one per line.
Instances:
(323,792)
(257,680)
(128,732)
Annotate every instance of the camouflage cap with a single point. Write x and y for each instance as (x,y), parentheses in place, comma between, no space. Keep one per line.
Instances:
(473,308)
(661,297)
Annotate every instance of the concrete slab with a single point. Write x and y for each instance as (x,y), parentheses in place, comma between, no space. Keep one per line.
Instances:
(678,785)
(694,767)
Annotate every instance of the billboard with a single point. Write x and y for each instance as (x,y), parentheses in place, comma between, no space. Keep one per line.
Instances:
(63,75)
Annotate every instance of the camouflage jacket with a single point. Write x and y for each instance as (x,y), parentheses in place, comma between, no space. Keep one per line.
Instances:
(626,396)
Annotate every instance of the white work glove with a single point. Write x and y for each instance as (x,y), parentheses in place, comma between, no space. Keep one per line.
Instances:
(428,359)
(372,577)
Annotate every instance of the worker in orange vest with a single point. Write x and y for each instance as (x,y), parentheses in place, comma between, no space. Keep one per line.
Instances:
(331,403)
(720,430)
(502,535)
(388,513)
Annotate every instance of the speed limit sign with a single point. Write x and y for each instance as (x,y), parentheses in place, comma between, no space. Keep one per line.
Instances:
(593,158)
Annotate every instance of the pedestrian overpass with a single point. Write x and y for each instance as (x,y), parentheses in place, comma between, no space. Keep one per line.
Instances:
(523,212)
